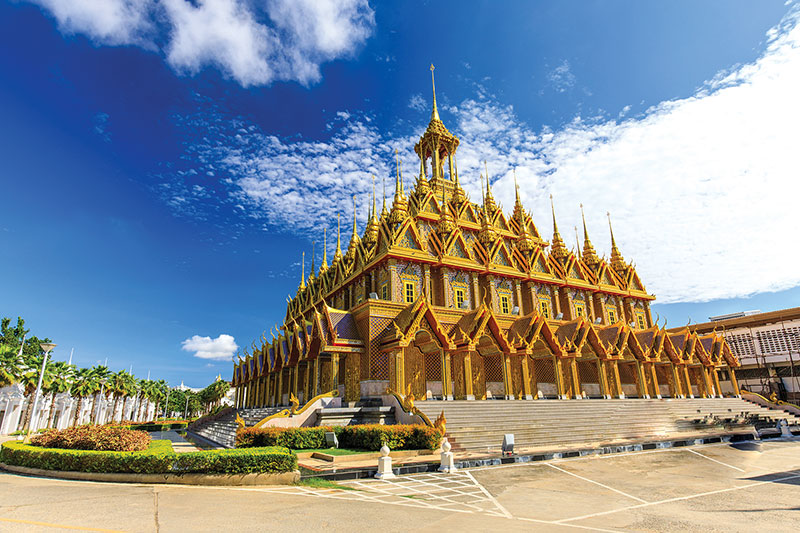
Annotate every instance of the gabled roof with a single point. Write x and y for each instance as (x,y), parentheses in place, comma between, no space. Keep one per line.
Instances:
(479,330)
(408,322)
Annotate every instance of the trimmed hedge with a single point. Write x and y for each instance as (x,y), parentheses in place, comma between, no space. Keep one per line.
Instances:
(159,458)
(91,437)
(155,426)
(365,437)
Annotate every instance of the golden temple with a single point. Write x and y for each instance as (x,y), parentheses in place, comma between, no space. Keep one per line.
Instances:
(443,298)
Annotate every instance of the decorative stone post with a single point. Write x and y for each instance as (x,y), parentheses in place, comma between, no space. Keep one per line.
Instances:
(508,385)
(448,464)
(385,465)
(447,378)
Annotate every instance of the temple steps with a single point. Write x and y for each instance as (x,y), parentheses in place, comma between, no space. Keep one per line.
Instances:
(480,425)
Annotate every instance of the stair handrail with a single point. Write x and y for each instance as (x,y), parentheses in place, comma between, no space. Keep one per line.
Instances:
(771,401)
(293,410)
(407,404)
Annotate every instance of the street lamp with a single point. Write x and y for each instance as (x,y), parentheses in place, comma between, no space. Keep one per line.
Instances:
(46,347)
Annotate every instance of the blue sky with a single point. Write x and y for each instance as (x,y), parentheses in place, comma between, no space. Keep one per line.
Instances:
(164,164)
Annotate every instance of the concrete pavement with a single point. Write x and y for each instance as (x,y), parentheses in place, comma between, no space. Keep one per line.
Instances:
(742,487)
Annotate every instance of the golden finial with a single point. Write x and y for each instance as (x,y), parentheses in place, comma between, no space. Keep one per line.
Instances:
(458,193)
(589,255)
(400,204)
(557,246)
(617,262)
(577,240)
(374,208)
(489,203)
(435,112)
(355,226)
(324,266)
(303,272)
(337,255)
(519,211)
(312,275)
(383,209)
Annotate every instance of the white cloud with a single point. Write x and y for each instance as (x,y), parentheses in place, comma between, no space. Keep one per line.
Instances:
(253,42)
(417,103)
(702,190)
(561,78)
(222,348)
(110,22)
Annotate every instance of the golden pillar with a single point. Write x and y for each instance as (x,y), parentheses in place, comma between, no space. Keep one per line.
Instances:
(576,382)
(689,391)
(508,380)
(654,380)
(707,381)
(602,377)
(352,377)
(397,379)
(676,382)
(734,382)
(715,375)
(526,378)
(559,378)
(641,382)
(468,389)
(334,376)
(617,381)
(279,391)
(447,379)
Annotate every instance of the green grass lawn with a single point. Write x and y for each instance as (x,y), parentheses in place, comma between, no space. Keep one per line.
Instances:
(322,483)
(336,451)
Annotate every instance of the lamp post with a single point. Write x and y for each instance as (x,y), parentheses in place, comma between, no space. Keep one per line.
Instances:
(46,347)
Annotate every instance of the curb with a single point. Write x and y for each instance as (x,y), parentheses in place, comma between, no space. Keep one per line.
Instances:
(369,472)
(217,480)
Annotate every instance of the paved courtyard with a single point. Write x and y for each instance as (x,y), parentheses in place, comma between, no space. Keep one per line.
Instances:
(742,487)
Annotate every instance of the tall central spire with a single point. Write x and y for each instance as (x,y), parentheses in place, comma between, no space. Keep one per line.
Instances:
(435,112)
(557,246)
(589,255)
(324,267)
(337,255)
(617,262)
(303,272)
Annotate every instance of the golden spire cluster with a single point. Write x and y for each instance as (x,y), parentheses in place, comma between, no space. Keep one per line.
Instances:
(400,204)
(557,247)
(589,255)
(617,262)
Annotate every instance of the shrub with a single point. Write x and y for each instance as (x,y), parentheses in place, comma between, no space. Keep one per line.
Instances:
(91,437)
(302,438)
(159,458)
(365,437)
(396,437)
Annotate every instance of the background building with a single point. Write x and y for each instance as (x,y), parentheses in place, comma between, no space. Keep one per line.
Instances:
(767,345)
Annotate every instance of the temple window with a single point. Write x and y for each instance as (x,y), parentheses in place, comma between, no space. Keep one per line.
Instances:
(504,304)
(640,320)
(544,306)
(580,309)
(408,289)
(612,315)
(459,298)
(385,291)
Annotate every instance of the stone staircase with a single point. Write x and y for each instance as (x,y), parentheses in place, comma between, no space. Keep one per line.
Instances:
(552,424)
(222,431)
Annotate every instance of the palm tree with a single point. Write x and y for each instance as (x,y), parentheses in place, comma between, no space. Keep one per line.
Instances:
(83,385)
(146,390)
(121,385)
(29,381)
(9,365)
(59,381)
(100,374)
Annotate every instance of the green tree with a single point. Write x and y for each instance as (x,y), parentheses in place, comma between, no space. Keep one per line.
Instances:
(60,380)
(29,379)
(121,384)
(100,376)
(83,385)
(10,366)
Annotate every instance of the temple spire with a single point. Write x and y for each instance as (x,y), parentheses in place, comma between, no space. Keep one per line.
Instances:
(303,272)
(400,204)
(489,203)
(374,208)
(383,209)
(435,112)
(312,275)
(337,255)
(355,225)
(577,241)
(589,255)
(617,262)
(557,246)
(519,210)
(324,267)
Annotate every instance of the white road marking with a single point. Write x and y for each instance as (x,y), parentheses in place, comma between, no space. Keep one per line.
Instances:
(714,460)
(486,492)
(597,483)
(681,498)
